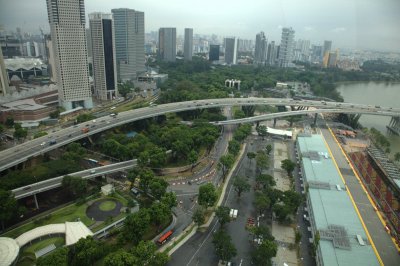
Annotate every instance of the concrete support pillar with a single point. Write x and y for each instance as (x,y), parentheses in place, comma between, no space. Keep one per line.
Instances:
(315,119)
(274,122)
(36,201)
(258,123)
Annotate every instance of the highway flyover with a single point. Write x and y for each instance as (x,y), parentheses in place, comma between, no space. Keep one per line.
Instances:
(20,153)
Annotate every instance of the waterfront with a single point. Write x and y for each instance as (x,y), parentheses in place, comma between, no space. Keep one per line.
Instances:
(374,93)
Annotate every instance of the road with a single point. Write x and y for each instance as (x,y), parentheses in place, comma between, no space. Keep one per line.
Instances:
(199,250)
(20,153)
(381,239)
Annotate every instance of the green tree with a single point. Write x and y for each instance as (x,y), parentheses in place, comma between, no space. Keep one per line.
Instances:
(223,246)
(262,202)
(261,232)
(265,180)
(226,162)
(169,199)
(135,225)
(262,131)
(57,257)
(146,254)
(119,258)
(261,161)
(9,122)
(264,252)
(234,147)
(124,89)
(288,166)
(241,185)
(157,157)
(269,149)
(146,176)
(222,214)
(238,114)
(282,211)
(193,155)
(39,134)
(397,156)
(85,252)
(76,186)
(251,156)
(84,117)
(8,206)
(1,128)
(207,195)
(158,187)
(55,114)
(159,213)
(19,132)
(199,216)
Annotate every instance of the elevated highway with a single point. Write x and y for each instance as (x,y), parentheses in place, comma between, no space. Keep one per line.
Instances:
(23,152)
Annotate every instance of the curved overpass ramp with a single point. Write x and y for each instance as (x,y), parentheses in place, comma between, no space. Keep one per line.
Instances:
(21,153)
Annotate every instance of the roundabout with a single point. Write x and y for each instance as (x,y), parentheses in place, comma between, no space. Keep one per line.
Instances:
(102,209)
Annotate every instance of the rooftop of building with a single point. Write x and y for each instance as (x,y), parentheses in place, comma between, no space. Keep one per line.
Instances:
(343,240)
(23,105)
(24,63)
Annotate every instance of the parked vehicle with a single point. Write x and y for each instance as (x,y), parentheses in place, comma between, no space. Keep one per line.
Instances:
(164,238)
(85,130)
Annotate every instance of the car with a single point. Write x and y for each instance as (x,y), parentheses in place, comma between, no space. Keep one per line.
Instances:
(27,188)
(43,143)
(92,171)
(70,135)
(75,125)
(94,120)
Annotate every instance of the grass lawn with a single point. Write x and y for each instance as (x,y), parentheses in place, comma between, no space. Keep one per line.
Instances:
(107,205)
(70,213)
(57,241)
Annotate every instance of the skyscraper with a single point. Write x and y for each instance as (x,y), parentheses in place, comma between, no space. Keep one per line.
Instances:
(167,44)
(67,27)
(230,50)
(3,76)
(103,53)
(260,54)
(214,52)
(286,47)
(327,47)
(271,54)
(129,42)
(188,45)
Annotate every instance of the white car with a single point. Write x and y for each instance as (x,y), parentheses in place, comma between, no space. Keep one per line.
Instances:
(43,143)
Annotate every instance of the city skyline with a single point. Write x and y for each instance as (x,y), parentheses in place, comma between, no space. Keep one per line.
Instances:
(365,24)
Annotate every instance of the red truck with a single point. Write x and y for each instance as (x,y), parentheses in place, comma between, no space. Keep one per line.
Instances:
(85,130)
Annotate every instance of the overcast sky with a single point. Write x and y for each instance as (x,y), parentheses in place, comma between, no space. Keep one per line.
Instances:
(362,24)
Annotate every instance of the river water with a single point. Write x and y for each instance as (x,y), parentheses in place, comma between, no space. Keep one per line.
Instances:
(374,93)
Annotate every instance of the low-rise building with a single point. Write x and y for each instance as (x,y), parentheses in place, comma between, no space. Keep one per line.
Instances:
(337,233)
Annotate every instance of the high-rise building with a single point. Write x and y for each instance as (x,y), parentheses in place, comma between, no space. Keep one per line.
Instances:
(333,58)
(327,47)
(129,43)
(103,52)
(271,54)
(167,44)
(286,47)
(260,54)
(188,45)
(230,50)
(214,52)
(67,27)
(3,76)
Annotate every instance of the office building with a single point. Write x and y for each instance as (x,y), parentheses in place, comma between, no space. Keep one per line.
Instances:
(167,44)
(333,58)
(3,77)
(230,50)
(332,217)
(260,54)
(103,52)
(327,47)
(271,54)
(286,47)
(129,43)
(10,46)
(67,27)
(188,45)
(214,52)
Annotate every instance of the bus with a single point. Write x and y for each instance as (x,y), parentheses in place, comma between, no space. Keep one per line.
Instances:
(164,237)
